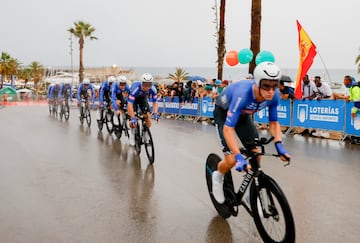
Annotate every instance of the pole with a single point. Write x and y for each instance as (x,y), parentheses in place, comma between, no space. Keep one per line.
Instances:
(71,57)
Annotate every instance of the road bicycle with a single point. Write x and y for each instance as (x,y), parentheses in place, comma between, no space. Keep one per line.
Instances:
(54,107)
(143,137)
(85,112)
(268,205)
(64,109)
(106,117)
(122,124)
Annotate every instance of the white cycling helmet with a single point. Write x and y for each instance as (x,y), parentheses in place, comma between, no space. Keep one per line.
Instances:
(111,79)
(147,78)
(86,81)
(266,70)
(121,79)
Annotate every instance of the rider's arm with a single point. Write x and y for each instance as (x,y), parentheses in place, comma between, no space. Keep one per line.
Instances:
(130,109)
(93,94)
(114,90)
(229,135)
(60,92)
(78,93)
(101,95)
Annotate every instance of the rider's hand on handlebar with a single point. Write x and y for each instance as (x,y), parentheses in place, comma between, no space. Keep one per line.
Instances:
(284,155)
(133,120)
(156,116)
(241,163)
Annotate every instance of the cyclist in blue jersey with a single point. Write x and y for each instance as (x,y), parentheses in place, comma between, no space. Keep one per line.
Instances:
(232,115)
(54,91)
(83,92)
(138,99)
(65,91)
(119,93)
(105,91)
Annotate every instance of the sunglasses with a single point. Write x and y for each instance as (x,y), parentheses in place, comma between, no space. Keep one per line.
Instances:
(268,87)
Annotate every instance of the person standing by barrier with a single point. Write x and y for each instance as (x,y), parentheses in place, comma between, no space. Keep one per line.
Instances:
(323,90)
(232,114)
(308,88)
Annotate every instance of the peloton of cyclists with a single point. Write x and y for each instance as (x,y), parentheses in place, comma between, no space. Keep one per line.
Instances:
(138,96)
(232,115)
(119,93)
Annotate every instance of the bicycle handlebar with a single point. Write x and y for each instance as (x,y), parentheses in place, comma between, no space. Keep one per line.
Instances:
(260,142)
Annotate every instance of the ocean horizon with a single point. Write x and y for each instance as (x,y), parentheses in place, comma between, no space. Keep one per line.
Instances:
(327,75)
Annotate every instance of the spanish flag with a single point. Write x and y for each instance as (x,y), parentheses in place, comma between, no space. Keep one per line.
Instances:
(307,51)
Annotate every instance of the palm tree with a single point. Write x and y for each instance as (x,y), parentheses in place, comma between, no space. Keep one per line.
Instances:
(37,72)
(8,66)
(255,31)
(82,30)
(179,75)
(357,62)
(221,40)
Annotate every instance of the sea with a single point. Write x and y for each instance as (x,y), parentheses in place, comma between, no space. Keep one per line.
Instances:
(330,76)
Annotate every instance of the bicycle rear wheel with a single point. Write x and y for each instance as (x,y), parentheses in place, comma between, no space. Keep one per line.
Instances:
(271,211)
(88,116)
(149,144)
(225,210)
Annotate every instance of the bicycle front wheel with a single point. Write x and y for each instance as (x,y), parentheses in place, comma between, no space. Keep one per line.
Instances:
(81,115)
(109,117)
(271,211)
(88,116)
(67,112)
(137,139)
(118,128)
(149,144)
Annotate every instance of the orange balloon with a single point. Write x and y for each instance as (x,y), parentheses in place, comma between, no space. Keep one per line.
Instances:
(232,58)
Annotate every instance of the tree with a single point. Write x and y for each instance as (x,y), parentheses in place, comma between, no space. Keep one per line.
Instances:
(8,66)
(255,31)
(179,75)
(37,72)
(221,40)
(82,30)
(357,62)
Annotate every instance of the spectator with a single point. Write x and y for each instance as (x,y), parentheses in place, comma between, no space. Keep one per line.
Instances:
(176,90)
(323,90)
(286,92)
(308,88)
(354,95)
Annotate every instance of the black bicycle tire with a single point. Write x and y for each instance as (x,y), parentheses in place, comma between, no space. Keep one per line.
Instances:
(270,184)
(61,112)
(118,128)
(88,116)
(224,209)
(67,112)
(109,120)
(148,144)
(137,139)
(125,126)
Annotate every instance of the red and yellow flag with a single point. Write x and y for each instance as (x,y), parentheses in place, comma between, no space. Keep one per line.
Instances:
(307,51)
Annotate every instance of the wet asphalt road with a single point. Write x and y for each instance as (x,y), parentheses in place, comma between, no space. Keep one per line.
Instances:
(63,182)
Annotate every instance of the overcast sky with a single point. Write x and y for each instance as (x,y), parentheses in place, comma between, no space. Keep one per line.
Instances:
(169,33)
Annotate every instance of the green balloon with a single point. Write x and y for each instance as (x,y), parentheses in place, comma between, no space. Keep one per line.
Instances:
(264,56)
(245,56)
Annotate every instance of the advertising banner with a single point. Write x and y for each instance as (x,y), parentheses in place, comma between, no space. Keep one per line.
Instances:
(207,107)
(352,126)
(283,112)
(323,114)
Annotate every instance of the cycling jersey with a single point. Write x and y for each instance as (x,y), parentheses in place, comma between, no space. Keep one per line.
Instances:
(118,94)
(239,98)
(136,91)
(49,90)
(65,91)
(54,91)
(83,92)
(105,92)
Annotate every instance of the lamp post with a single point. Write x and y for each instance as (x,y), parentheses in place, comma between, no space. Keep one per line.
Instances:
(71,57)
